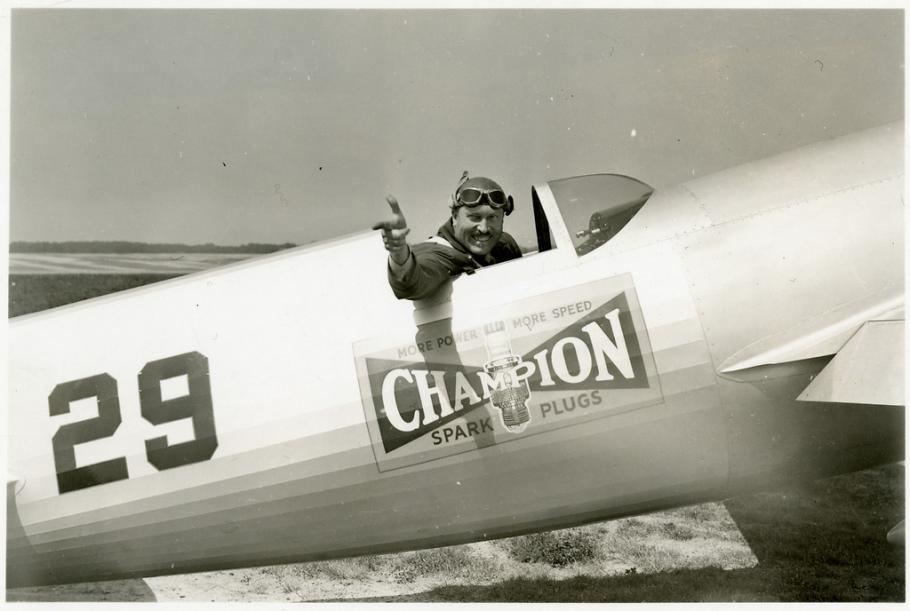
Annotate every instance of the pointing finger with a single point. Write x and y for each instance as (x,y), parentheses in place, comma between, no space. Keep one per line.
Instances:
(393,204)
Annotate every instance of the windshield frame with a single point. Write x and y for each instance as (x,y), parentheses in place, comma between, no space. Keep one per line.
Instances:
(561,234)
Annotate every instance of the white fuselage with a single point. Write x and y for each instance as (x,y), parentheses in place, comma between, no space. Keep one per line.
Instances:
(294,344)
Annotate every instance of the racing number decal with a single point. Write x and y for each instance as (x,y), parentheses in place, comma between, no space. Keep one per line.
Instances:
(197,404)
(70,477)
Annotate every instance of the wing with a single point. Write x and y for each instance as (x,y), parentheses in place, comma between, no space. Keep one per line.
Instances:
(868,369)
(866,339)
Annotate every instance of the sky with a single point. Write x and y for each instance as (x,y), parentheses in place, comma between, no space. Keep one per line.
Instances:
(235,126)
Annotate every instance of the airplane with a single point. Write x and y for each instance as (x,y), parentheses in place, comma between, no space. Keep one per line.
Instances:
(657,348)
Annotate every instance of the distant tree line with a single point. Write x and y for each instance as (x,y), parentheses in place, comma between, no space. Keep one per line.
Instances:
(142,247)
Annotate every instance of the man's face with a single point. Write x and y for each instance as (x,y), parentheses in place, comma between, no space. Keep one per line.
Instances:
(477,227)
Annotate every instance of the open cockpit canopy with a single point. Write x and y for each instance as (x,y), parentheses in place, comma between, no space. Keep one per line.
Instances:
(596,207)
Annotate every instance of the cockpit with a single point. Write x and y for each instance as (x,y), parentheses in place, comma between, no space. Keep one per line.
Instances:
(580,213)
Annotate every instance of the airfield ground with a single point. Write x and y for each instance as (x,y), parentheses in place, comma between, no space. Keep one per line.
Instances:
(815,541)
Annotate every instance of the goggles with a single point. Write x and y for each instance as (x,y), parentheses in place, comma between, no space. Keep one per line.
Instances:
(472,196)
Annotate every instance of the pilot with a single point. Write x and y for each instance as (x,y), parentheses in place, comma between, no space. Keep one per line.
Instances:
(470,239)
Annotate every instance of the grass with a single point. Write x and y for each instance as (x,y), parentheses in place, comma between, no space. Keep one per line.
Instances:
(556,548)
(457,563)
(35,292)
(815,542)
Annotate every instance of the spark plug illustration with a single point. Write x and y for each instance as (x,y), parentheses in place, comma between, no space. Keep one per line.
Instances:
(510,393)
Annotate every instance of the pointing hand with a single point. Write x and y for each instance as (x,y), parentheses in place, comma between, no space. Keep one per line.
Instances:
(394,232)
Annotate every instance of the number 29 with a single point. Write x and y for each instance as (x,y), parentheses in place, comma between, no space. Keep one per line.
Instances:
(196,404)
